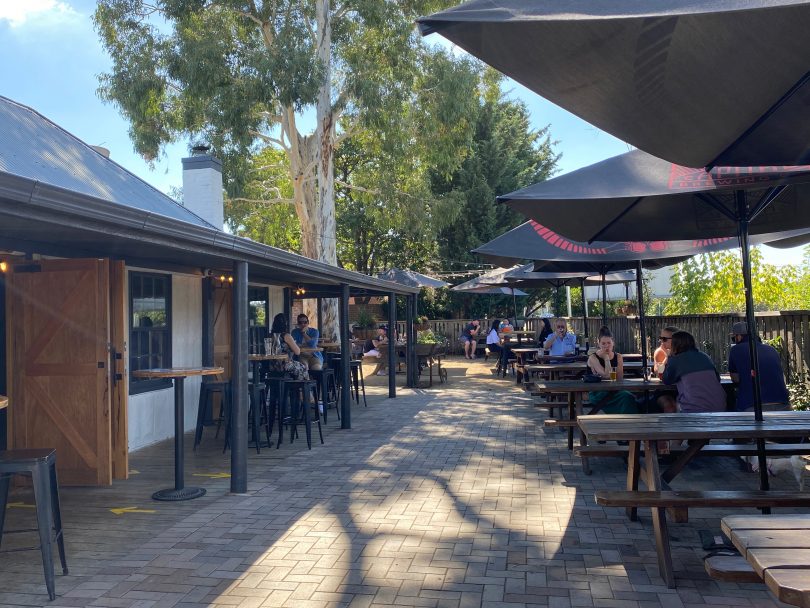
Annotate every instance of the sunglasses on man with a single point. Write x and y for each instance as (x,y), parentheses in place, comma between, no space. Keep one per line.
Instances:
(303,321)
(663,339)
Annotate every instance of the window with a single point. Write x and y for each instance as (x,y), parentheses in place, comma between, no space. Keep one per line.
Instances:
(150,328)
(258,311)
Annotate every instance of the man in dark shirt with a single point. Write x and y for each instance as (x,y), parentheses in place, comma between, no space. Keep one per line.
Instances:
(771,377)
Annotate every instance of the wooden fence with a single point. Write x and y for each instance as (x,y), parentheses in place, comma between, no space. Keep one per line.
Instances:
(711,332)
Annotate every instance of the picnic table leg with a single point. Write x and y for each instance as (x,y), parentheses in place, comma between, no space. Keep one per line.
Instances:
(633,471)
(571,416)
(583,440)
(695,445)
(659,516)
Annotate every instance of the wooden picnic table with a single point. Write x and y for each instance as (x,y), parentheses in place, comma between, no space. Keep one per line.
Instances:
(518,333)
(554,370)
(576,389)
(778,549)
(647,430)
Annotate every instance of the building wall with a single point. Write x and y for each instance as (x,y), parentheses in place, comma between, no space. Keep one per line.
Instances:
(151,415)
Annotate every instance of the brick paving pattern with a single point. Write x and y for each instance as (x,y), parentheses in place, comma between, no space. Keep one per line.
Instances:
(450,497)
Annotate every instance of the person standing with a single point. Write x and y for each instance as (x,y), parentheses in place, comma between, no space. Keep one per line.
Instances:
(469,337)
(307,336)
(775,395)
(562,342)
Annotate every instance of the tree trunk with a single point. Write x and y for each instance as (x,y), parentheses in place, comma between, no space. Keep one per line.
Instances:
(325,136)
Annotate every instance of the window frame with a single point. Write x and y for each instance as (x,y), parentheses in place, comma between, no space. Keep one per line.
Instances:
(137,387)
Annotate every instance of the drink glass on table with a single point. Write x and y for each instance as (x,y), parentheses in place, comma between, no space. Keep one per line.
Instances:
(613,375)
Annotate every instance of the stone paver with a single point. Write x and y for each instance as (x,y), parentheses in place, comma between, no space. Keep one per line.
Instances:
(450,497)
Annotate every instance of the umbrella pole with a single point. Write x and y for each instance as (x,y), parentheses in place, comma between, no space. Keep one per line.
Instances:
(640,299)
(604,299)
(752,333)
(584,309)
(514,304)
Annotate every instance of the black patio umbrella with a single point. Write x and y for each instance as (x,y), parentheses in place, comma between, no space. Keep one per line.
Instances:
(526,276)
(411,278)
(637,196)
(491,283)
(698,82)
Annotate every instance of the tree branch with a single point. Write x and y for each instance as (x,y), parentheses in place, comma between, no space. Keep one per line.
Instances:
(264,201)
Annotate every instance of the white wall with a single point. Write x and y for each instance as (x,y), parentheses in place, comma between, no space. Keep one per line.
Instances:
(151,415)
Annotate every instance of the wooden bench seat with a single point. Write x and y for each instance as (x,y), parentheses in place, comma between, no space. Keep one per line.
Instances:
(557,424)
(720,449)
(730,569)
(713,498)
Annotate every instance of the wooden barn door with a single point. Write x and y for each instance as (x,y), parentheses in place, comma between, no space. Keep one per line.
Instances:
(59,365)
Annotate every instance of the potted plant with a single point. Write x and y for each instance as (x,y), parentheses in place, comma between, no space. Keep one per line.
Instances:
(422,323)
(365,326)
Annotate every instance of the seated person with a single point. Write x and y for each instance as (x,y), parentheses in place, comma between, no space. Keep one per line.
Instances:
(664,399)
(545,331)
(307,336)
(602,362)
(280,336)
(469,337)
(374,347)
(771,377)
(494,341)
(698,382)
(507,326)
(562,342)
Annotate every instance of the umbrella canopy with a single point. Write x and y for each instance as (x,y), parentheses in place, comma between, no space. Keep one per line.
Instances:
(492,282)
(411,278)
(698,82)
(558,255)
(636,196)
(526,276)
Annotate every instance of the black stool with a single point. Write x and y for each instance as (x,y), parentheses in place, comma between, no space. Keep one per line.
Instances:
(207,391)
(41,466)
(356,369)
(327,389)
(295,398)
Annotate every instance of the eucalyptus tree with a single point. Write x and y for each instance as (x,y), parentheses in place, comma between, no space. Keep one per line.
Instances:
(244,74)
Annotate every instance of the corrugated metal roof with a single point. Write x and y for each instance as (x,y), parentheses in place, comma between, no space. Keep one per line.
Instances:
(32,146)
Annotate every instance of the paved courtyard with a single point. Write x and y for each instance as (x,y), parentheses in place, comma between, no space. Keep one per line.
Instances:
(453,496)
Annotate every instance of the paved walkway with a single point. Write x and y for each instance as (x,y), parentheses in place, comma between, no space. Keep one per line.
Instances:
(455,496)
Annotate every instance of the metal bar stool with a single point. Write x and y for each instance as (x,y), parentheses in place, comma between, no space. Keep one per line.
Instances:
(327,389)
(40,464)
(295,399)
(208,389)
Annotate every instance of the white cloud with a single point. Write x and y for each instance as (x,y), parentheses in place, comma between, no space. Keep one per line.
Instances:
(19,12)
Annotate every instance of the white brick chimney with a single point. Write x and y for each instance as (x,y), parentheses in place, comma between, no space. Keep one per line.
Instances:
(202,188)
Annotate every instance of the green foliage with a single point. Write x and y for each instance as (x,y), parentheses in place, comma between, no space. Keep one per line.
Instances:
(365,319)
(427,336)
(266,212)
(713,283)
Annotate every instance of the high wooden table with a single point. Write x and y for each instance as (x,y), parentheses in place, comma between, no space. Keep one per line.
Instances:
(647,430)
(178,375)
(778,548)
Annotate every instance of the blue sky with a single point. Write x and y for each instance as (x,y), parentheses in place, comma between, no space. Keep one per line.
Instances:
(57,57)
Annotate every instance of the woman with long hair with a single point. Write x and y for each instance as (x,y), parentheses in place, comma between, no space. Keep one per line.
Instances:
(280,335)
(604,362)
